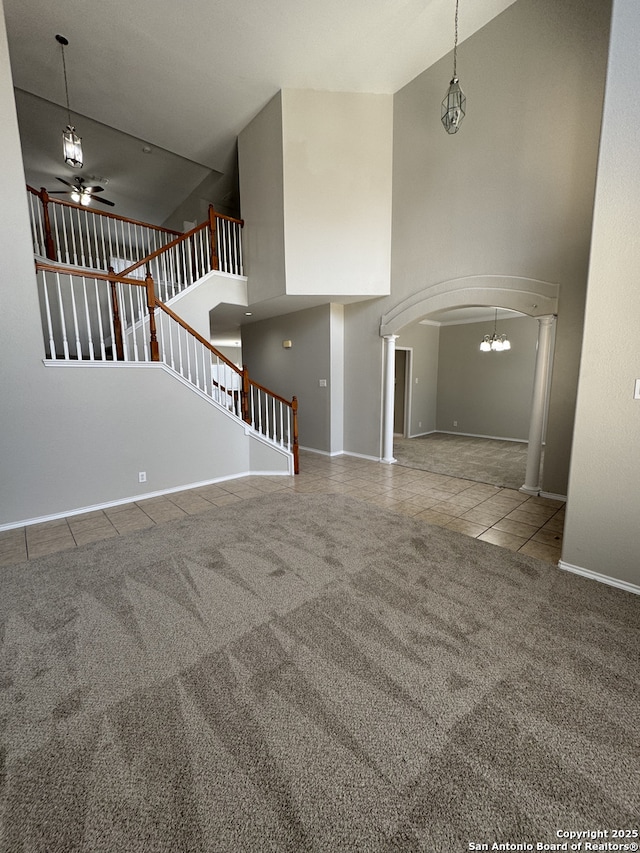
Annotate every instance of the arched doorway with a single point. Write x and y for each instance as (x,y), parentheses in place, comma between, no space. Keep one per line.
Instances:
(538,299)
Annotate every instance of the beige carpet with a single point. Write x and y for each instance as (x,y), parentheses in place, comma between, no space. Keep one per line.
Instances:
(483,460)
(310,674)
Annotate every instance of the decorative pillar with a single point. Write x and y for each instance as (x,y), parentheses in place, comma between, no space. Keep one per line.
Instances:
(541,380)
(388,397)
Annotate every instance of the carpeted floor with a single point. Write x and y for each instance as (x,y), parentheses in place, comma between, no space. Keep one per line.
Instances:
(484,460)
(311,674)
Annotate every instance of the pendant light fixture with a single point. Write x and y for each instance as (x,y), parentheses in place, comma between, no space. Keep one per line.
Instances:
(454,103)
(71,142)
(495,342)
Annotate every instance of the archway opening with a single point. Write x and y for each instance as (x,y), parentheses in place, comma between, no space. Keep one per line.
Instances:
(527,297)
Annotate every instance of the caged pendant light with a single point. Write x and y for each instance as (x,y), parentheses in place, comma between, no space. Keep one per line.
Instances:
(454,102)
(71,142)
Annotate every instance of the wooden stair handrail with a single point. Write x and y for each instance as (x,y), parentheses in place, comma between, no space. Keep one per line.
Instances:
(271,393)
(165,248)
(196,335)
(88,273)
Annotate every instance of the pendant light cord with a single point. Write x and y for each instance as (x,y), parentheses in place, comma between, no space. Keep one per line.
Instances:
(66,87)
(455,43)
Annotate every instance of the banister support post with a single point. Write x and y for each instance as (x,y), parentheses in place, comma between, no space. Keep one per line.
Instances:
(215,261)
(50,247)
(115,310)
(246,415)
(151,306)
(296,458)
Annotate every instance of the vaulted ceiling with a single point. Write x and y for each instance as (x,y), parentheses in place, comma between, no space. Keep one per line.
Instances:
(183,79)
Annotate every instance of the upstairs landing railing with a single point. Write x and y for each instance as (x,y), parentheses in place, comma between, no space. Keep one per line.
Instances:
(108,317)
(80,236)
(72,234)
(213,245)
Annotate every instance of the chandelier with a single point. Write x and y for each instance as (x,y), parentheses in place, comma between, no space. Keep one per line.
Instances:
(495,342)
(71,142)
(454,103)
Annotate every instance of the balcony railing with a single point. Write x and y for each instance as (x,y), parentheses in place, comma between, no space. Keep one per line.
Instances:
(69,233)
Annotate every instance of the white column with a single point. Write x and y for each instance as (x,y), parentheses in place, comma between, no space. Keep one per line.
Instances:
(541,380)
(388,396)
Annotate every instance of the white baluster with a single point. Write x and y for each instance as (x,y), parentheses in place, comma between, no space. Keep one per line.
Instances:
(87,319)
(45,288)
(63,325)
(173,364)
(103,349)
(123,320)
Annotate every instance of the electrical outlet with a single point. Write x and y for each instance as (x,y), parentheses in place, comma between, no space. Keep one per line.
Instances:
(322,383)
(455,423)
(142,476)
(419,423)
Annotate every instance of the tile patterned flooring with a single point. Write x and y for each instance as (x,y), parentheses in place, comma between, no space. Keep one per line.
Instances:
(505,517)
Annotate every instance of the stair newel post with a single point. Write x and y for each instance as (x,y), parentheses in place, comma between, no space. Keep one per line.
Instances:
(151,305)
(294,413)
(246,414)
(215,262)
(50,247)
(115,310)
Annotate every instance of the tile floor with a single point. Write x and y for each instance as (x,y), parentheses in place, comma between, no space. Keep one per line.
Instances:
(505,517)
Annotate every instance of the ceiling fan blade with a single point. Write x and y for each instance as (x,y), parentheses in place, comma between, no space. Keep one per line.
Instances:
(93,189)
(66,182)
(58,192)
(104,201)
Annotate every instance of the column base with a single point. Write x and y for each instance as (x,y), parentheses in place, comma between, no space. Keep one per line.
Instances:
(529,490)
(388,461)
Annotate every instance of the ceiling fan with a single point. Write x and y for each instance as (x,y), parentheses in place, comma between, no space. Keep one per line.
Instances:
(81,193)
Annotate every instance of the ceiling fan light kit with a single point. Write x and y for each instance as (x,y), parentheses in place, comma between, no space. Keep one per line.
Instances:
(81,193)
(71,142)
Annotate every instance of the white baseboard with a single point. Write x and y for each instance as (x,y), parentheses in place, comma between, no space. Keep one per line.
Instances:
(12,525)
(335,453)
(596,576)
(553,497)
(477,435)
(422,434)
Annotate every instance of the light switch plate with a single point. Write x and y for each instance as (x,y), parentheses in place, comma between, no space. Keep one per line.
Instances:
(636,393)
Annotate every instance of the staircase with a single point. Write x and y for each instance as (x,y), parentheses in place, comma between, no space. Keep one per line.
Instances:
(93,312)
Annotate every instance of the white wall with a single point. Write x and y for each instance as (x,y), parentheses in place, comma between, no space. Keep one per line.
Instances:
(601,531)
(510,194)
(487,393)
(337,192)
(315,182)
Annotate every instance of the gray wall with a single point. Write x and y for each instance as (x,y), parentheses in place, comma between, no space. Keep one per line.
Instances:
(296,371)
(511,193)
(76,437)
(423,340)
(486,393)
(604,488)
(260,156)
